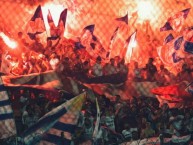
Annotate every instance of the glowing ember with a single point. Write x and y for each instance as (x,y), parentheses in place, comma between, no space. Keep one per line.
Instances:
(9,42)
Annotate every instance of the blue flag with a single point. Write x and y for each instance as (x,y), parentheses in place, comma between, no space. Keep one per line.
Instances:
(169,38)
(123,19)
(178,42)
(90,28)
(36,24)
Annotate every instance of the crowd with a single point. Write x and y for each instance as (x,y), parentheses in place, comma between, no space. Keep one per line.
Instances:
(121,121)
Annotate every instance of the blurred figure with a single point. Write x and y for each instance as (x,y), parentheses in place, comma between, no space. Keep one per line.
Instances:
(151,70)
(54,61)
(97,69)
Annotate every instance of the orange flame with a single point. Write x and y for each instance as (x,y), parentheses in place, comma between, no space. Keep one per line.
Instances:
(9,42)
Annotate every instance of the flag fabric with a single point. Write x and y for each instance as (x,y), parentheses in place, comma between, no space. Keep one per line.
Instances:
(174,95)
(56,31)
(169,38)
(96,129)
(126,53)
(188,40)
(90,28)
(156,141)
(176,21)
(36,24)
(166,27)
(46,80)
(62,18)
(172,52)
(123,19)
(113,38)
(7,122)
(57,126)
(53,29)
(91,43)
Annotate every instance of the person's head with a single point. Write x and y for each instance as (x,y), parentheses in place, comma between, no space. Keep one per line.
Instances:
(162,67)
(150,61)
(136,64)
(148,125)
(20,34)
(98,60)
(184,66)
(112,61)
(117,98)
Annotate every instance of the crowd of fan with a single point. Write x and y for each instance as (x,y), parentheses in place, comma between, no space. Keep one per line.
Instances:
(63,56)
(121,121)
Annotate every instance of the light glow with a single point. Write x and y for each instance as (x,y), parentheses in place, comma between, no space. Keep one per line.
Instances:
(145,9)
(8,41)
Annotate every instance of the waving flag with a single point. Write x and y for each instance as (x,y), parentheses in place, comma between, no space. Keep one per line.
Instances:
(113,37)
(95,133)
(92,43)
(61,120)
(57,31)
(172,52)
(123,19)
(176,21)
(169,38)
(127,51)
(53,29)
(36,24)
(7,122)
(62,22)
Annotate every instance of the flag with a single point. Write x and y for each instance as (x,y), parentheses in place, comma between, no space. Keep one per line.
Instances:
(123,19)
(166,27)
(62,18)
(47,80)
(126,53)
(36,24)
(112,40)
(176,21)
(172,52)
(78,45)
(96,129)
(61,120)
(53,29)
(113,37)
(92,44)
(90,28)
(169,38)
(178,42)
(57,31)
(7,122)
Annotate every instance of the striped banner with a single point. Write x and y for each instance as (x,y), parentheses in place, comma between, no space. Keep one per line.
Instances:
(7,123)
(57,126)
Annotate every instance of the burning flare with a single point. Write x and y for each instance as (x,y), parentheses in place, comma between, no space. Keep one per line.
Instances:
(9,42)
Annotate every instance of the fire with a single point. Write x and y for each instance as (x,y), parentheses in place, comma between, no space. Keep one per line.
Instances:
(8,41)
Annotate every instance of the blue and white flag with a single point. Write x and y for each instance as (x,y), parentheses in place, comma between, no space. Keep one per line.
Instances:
(7,123)
(57,126)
